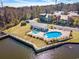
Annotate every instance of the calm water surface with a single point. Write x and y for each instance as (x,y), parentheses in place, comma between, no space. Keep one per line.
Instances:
(11,49)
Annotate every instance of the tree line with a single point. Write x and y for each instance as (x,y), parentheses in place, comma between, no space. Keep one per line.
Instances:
(11,16)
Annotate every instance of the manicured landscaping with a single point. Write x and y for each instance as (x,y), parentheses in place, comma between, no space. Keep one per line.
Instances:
(75,38)
(21,31)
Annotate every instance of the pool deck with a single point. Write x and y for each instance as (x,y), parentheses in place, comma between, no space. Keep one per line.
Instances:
(65,34)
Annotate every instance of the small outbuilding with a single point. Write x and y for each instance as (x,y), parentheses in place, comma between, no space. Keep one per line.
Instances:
(39,26)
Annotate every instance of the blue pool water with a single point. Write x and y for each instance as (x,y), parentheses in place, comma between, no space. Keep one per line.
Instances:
(35,31)
(53,34)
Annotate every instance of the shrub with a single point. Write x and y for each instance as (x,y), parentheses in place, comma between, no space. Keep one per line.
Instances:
(23,23)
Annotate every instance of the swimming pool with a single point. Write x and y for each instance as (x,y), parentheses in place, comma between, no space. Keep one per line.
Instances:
(53,34)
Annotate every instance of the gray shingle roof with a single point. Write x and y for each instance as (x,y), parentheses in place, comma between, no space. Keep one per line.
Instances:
(39,25)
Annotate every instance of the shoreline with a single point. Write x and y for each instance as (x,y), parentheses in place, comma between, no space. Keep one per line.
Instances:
(33,46)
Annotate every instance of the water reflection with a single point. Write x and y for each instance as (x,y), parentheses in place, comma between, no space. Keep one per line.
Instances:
(11,49)
(63,52)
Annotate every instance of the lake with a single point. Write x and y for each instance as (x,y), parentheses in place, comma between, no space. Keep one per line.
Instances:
(12,49)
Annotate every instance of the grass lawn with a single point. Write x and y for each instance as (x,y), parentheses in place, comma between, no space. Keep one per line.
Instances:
(75,37)
(20,31)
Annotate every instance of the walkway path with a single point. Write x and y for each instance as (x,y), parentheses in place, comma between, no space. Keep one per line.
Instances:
(66,28)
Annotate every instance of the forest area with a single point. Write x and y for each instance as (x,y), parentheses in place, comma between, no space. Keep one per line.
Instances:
(11,16)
